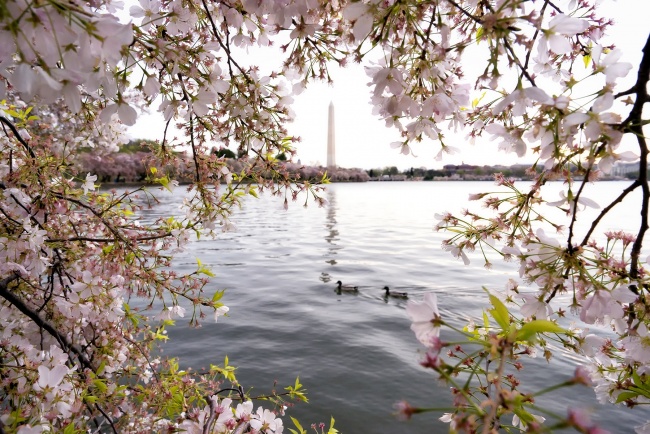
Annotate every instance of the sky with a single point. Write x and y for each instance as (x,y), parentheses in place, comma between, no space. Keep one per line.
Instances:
(362,140)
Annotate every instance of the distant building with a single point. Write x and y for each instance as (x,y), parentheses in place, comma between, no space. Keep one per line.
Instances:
(453,168)
(622,169)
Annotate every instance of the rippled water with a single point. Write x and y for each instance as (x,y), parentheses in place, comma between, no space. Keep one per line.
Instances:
(355,354)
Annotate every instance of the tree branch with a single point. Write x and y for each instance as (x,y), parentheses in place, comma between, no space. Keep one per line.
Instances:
(633,124)
(605,210)
(43,324)
(14,130)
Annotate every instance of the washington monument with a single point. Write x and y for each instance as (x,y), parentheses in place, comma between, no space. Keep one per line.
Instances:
(331,146)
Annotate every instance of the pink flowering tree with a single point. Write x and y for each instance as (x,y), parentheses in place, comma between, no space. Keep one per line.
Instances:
(548,83)
(86,290)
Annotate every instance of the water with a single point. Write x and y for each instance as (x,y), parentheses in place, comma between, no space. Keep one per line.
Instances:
(355,354)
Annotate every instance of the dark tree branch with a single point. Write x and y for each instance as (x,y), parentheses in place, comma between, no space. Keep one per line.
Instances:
(14,130)
(207,427)
(605,210)
(634,124)
(643,181)
(108,418)
(226,46)
(464,12)
(640,88)
(43,324)
(194,151)
(574,217)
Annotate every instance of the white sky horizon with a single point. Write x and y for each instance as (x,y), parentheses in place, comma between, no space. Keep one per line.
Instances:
(363,141)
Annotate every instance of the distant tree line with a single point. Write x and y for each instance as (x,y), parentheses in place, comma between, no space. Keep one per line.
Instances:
(464,171)
(134,160)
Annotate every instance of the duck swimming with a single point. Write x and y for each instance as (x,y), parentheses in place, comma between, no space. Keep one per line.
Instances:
(345,288)
(395,294)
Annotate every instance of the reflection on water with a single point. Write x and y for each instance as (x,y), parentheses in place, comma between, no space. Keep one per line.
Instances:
(330,223)
(355,354)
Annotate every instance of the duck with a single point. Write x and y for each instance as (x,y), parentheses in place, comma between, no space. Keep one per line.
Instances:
(345,288)
(395,294)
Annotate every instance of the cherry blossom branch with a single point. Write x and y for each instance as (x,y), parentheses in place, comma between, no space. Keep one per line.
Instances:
(194,153)
(522,68)
(574,214)
(40,322)
(643,181)
(14,130)
(215,32)
(608,208)
(491,418)
(633,124)
(108,240)
(464,12)
(534,38)
(207,427)
(557,9)
(634,118)
(107,417)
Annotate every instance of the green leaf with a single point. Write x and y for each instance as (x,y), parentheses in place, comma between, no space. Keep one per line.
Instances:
(297,425)
(101,368)
(100,385)
(524,415)
(296,391)
(217,296)
(203,269)
(479,34)
(476,101)
(500,313)
(227,371)
(69,429)
(625,395)
(530,329)
(332,430)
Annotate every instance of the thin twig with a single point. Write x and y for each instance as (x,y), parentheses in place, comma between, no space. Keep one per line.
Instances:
(14,130)
(605,210)
(574,216)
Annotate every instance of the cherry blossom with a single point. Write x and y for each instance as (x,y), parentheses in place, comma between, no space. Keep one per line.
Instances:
(425,318)
(89,184)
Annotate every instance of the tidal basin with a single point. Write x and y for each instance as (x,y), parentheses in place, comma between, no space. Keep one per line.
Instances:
(355,353)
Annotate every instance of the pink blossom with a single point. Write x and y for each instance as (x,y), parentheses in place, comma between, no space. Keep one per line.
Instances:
(50,378)
(535,306)
(220,311)
(609,65)
(511,138)
(404,410)
(89,184)
(403,146)
(362,17)
(582,376)
(425,318)
(561,26)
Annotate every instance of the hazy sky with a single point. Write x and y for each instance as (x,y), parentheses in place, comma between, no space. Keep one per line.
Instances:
(363,141)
